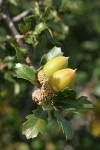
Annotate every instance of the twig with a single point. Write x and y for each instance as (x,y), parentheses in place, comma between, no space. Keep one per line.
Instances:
(1,1)
(15,33)
(23,36)
(21,15)
(12,28)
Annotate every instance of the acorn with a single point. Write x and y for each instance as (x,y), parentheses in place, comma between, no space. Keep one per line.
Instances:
(95,126)
(62,79)
(55,64)
(97,109)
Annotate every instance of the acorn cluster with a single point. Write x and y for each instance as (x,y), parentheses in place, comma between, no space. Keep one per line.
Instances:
(44,92)
(53,77)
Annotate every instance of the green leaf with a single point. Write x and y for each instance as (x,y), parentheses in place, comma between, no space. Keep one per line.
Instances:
(36,10)
(66,100)
(14,2)
(68,93)
(8,76)
(47,14)
(83,100)
(35,124)
(27,21)
(33,38)
(47,105)
(39,28)
(22,28)
(25,72)
(43,59)
(21,53)
(65,124)
(54,52)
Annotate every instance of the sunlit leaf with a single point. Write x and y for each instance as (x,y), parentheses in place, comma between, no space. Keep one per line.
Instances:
(25,72)
(14,2)
(54,52)
(35,124)
(40,27)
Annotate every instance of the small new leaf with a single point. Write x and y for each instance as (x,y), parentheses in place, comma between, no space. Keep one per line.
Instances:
(27,21)
(22,28)
(54,52)
(65,124)
(36,10)
(35,124)
(39,28)
(25,72)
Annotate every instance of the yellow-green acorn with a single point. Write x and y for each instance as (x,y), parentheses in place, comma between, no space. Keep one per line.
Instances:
(55,64)
(62,79)
(95,126)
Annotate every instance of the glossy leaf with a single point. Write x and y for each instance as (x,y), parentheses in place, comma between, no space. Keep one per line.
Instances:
(40,27)
(25,72)
(54,52)
(35,124)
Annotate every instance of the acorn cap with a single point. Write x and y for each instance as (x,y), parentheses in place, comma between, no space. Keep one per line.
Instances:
(37,96)
(41,77)
(47,90)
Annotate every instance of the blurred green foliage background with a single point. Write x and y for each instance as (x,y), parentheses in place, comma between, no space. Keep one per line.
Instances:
(75,26)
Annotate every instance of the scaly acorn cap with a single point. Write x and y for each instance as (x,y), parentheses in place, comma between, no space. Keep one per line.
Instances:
(48,92)
(41,77)
(37,96)
(42,94)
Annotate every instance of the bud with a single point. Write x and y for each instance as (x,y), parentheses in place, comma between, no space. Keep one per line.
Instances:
(54,65)
(62,79)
